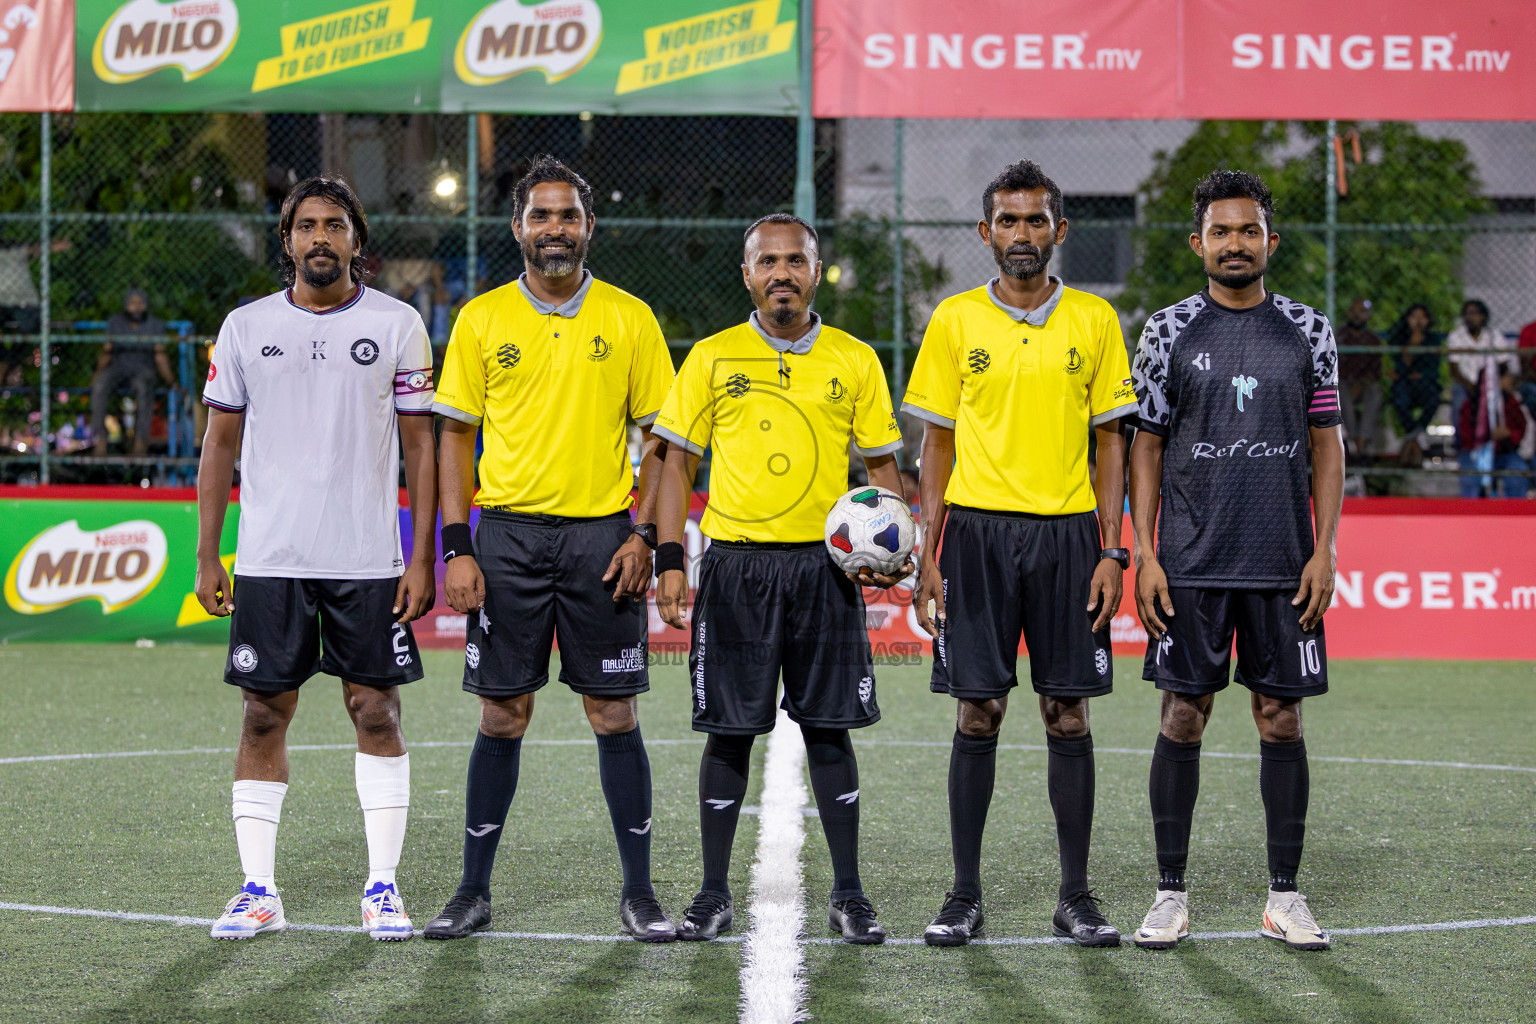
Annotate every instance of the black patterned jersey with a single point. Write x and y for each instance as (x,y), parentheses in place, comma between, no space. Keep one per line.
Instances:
(1233,392)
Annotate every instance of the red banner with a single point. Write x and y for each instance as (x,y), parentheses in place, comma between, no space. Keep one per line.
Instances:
(1297,59)
(1367,59)
(37,55)
(996,58)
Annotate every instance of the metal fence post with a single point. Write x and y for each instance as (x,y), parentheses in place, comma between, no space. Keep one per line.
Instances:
(899,277)
(472,185)
(805,134)
(1331,219)
(45,254)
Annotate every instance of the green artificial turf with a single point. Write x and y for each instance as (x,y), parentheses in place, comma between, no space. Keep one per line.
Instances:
(1387,845)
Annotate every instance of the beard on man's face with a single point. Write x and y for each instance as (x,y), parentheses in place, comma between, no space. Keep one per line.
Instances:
(781,313)
(321,275)
(1022,270)
(1237,277)
(556,262)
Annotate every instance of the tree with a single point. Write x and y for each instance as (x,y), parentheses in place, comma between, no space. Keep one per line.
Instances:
(1402,225)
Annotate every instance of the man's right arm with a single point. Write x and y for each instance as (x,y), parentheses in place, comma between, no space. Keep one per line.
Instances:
(464,584)
(1146,492)
(677,473)
(938,464)
(215,476)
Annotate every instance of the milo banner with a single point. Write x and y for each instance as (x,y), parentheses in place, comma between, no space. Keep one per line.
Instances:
(105,570)
(607,56)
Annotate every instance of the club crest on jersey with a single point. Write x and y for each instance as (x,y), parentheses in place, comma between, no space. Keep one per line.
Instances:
(979,360)
(835,390)
(365,351)
(1245,386)
(600,349)
(737,384)
(1074,361)
(508,355)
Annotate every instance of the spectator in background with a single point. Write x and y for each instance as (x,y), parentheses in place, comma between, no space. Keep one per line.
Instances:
(1475,332)
(20,309)
(1360,379)
(1526,349)
(1413,370)
(1489,433)
(124,361)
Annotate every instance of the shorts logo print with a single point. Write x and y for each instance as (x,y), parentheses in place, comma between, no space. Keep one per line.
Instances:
(698,671)
(630,659)
(1164,646)
(472,656)
(244,658)
(866,689)
(401,646)
(979,360)
(1101,660)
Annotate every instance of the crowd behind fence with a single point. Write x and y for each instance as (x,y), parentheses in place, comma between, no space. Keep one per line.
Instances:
(1393,228)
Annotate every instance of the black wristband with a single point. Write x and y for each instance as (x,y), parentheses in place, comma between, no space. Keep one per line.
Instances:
(671,556)
(457,540)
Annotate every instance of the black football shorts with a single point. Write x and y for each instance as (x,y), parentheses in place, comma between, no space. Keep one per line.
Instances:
(763,610)
(285,630)
(1012,572)
(1275,656)
(544,579)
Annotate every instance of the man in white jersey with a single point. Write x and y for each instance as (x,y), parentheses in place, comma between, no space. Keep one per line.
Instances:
(330,380)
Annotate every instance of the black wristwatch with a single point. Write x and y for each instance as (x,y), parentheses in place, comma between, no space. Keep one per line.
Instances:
(647,533)
(1121,555)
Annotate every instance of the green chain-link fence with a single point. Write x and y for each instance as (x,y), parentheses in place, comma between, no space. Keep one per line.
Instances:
(184,208)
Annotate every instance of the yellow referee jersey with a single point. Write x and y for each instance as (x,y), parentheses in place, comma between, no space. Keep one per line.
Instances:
(553,386)
(1021,391)
(778,416)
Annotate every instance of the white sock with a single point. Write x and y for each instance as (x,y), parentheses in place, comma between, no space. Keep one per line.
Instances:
(384,791)
(257,807)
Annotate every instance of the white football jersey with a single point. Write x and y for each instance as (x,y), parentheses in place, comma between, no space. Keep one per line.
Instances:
(320,460)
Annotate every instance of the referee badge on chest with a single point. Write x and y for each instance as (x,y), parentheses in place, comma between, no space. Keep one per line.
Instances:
(835,390)
(509,355)
(1074,362)
(979,360)
(598,349)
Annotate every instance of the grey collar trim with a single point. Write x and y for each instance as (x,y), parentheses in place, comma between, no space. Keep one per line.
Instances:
(800,346)
(569,308)
(1036,317)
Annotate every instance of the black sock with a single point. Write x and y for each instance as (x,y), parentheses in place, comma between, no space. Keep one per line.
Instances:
(1069,778)
(972,772)
(625,772)
(1174,786)
(493,765)
(835,781)
(1284,785)
(723,773)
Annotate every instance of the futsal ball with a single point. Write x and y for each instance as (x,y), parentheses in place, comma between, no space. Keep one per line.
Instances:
(870,526)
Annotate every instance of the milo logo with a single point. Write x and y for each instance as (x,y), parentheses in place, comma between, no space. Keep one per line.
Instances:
(143,36)
(507,38)
(65,564)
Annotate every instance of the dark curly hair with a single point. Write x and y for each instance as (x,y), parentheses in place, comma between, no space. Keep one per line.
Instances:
(544,169)
(1023,176)
(338,193)
(1227,184)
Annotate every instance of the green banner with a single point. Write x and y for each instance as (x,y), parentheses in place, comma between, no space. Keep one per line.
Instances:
(556,56)
(105,570)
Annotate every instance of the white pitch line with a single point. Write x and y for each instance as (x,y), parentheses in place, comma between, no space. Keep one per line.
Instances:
(205,922)
(945,744)
(773,958)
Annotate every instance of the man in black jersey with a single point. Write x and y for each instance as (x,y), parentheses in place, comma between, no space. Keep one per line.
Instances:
(1238,396)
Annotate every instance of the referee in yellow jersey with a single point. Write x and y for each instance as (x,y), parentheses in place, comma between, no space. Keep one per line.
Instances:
(777,400)
(550,367)
(1011,380)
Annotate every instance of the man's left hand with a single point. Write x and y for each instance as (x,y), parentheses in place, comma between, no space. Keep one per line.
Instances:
(1316,591)
(631,566)
(867,577)
(416,592)
(1105,591)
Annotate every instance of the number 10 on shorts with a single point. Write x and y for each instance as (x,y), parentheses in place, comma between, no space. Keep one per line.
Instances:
(1311,664)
